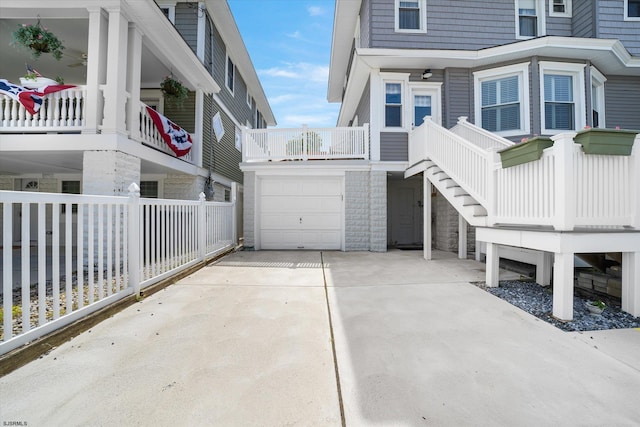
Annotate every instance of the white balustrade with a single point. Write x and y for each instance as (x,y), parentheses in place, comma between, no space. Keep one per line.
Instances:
(478,136)
(70,255)
(60,111)
(305,144)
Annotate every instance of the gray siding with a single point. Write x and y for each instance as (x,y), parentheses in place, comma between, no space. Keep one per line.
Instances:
(365,23)
(458,96)
(583,21)
(611,25)
(187,23)
(364,106)
(621,102)
(226,158)
(394,146)
(183,115)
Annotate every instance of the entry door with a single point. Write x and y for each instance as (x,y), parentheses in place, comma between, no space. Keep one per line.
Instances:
(425,102)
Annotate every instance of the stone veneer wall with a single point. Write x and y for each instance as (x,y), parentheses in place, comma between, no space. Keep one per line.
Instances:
(356,210)
(185,187)
(378,215)
(249,209)
(109,173)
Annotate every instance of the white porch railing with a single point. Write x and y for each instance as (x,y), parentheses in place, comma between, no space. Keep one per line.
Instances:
(565,189)
(64,110)
(71,255)
(150,136)
(478,136)
(305,144)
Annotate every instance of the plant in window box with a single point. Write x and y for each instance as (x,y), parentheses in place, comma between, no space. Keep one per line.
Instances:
(34,80)
(616,142)
(38,40)
(528,150)
(173,90)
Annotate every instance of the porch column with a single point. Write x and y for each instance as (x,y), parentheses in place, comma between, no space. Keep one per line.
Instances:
(134,72)
(631,283)
(565,197)
(543,269)
(198,141)
(115,91)
(96,69)
(462,237)
(426,221)
(492,265)
(563,286)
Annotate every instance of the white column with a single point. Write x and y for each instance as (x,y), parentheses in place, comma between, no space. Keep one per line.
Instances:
(198,143)
(134,73)
(115,94)
(96,69)
(563,286)
(426,221)
(492,265)
(200,41)
(565,200)
(543,269)
(631,283)
(462,237)
(478,250)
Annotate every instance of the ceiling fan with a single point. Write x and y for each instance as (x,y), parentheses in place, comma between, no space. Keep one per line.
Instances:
(81,59)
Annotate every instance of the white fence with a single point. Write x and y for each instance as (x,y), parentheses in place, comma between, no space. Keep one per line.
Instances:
(565,189)
(305,144)
(70,255)
(64,110)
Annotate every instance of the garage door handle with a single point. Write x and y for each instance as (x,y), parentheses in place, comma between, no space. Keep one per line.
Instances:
(300,220)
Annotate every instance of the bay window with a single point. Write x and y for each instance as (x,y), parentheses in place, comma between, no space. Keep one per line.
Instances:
(562,97)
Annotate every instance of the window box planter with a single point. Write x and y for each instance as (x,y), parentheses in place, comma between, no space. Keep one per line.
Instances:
(614,142)
(524,152)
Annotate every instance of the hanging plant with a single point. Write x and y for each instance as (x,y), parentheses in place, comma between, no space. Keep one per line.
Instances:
(38,39)
(173,90)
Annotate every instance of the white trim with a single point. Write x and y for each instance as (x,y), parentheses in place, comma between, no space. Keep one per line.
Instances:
(520,70)
(541,21)
(568,9)
(626,13)
(403,80)
(226,74)
(567,69)
(249,99)
(422,6)
(598,79)
(171,9)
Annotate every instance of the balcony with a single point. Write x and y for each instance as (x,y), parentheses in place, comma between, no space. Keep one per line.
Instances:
(268,145)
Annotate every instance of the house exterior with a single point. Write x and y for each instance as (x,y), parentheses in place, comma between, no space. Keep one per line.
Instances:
(97,138)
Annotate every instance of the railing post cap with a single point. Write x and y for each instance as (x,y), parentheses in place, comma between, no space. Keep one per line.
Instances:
(202,197)
(462,119)
(134,189)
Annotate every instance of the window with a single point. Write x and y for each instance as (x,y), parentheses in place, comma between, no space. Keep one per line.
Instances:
(70,187)
(231,74)
(238,139)
(411,16)
(149,189)
(227,195)
(560,8)
(529,18)
(249,99)
(169,10)
(421,108)
(258,120)
(562,96)
(393,105)
(502,99)
(597,99)
(632,10)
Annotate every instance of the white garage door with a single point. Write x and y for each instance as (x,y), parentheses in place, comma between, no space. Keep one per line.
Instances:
(300,213)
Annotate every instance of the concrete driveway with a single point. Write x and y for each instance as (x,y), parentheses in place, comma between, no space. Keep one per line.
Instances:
(247,342)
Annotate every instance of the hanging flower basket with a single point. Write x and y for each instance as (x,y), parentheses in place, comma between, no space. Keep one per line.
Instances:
(38,39)
(173,90)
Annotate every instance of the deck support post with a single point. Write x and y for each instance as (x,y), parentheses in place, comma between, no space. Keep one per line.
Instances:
(493,265)
(563,286)
(631,283)
(426,221)
(462,237)
(543,269)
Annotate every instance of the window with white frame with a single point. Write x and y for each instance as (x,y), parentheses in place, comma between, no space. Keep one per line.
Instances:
(249,99)
(632,10)
(529,18)
(597,98)
(560,8)
(411,16)
(501,98)
(393,104)
(169,10)
(231,74)
(562,97)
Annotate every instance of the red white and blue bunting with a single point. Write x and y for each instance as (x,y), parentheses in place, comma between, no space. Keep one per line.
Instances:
(176,138)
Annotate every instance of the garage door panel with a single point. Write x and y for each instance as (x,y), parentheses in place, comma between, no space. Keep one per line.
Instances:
(280,221)
(317,221)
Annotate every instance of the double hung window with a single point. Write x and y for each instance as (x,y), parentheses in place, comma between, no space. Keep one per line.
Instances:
(529,18)
(559,106)
(411,15)
(231,74)
(393,105)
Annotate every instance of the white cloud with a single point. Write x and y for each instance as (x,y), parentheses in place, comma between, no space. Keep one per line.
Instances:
(301,71)
(294,35)
(280,72)
(315,11)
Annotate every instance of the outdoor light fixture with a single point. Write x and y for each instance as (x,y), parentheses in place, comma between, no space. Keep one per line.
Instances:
(427,73)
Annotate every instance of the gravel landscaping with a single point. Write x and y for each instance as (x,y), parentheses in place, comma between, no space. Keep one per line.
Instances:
(538,300)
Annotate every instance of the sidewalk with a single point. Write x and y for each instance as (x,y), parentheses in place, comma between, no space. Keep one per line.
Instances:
(246,342)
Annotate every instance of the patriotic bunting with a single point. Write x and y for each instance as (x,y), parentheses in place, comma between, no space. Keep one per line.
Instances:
(176,138)
(31,99)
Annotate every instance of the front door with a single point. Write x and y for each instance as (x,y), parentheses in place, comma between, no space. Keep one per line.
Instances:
(425,102)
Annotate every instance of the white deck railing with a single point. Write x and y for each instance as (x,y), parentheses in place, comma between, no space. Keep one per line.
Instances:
(70,255)
(565,189)
(150,136)
(305,144)
(64,110)
(478,136)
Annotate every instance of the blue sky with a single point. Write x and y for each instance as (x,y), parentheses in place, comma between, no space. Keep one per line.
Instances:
(289,42)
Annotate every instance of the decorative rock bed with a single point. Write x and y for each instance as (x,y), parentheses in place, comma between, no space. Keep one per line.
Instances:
(538,301)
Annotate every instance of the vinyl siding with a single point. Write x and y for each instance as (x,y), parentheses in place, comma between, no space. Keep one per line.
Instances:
(611,25)
(583,21)
(184,115)
(394,146)
(621,102)
(364,106)
(226,158)
(187,23)
(365,23)
(458,95)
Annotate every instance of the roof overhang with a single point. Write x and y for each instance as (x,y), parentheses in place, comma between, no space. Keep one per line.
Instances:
(344,26)
(226,26)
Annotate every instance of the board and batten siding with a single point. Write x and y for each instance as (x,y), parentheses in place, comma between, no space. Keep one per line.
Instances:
(611,25)
(583,21)
(394,146)
(621,102)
